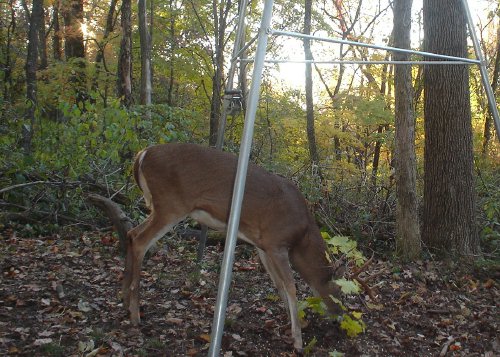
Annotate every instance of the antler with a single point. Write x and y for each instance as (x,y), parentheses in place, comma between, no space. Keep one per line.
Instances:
(354,275)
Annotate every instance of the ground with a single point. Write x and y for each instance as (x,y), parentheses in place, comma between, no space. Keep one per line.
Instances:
(60,296)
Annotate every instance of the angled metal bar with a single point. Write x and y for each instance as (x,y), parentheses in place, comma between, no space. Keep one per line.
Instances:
(244,48)
(484,71)
(239,185)
(240,33)
(360,62)
(367,45)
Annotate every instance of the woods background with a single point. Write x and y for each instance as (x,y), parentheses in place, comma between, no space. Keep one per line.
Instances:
(87,84)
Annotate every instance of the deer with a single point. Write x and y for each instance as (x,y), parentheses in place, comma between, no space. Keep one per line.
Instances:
(181,180)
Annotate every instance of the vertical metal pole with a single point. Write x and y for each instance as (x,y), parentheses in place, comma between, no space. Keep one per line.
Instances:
(482,67)
(238,42)
(239,185)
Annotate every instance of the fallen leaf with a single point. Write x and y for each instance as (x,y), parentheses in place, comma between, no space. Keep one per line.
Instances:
(175,321)
(204,337)
(42,341)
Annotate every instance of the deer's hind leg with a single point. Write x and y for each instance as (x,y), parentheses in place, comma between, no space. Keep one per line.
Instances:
(140,239)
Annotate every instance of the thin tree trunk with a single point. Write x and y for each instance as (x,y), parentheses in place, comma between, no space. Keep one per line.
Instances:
(173,45)
(42,44)
(449,194)
(124,80)
(145,54)
(7,83)
(407,226)
(31,67)
(311,135)
(56,37)
(107,30)
(494,84)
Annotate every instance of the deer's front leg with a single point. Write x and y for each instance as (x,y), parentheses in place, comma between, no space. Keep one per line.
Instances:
(279,265)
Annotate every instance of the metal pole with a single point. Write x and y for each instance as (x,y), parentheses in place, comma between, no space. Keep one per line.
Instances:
(239,185)
(362,62)
(484,72)
(240,32)
(376,47)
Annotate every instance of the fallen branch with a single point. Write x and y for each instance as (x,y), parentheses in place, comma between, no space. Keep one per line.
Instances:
(28,213)
(33,183)
(119,219)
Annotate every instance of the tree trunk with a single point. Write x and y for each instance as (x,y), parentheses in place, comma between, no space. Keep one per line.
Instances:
(173,46)
(449,194)
(488,124)
(74,47)
(145,53)
(56,38)
(73,35)
(107,30)
(124,80)
(220,11)
(311,135)
(407,225)
(7,70)
(42,44)
(31,66)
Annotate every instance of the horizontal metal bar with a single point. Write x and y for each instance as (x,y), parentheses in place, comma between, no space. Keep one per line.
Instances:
(247,60)
(377,47)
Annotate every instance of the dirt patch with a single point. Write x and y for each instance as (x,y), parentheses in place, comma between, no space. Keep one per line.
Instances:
(60,296)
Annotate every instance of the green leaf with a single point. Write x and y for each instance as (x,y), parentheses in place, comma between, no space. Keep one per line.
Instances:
(348,286)
(352,327)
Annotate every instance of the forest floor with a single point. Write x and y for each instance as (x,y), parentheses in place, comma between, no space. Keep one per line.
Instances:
(60,296)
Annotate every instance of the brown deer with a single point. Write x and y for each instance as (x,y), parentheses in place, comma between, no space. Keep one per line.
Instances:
(187,180)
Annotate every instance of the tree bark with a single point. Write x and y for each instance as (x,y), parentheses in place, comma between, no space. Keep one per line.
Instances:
(56,37)
(124,77)
(145,40)
(42,44)
(220,12)
(407,225)
(73,39)
(173,46)
(7,70)
(31,67)
(311,134)
(449,194)
(488,124)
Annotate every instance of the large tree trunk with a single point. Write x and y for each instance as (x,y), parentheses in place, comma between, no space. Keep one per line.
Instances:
(407,225)
(145,53)
(311,134)
(124,78)
(449,194)
(31,66)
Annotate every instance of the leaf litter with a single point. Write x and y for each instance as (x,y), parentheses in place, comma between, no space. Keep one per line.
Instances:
(60,296)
